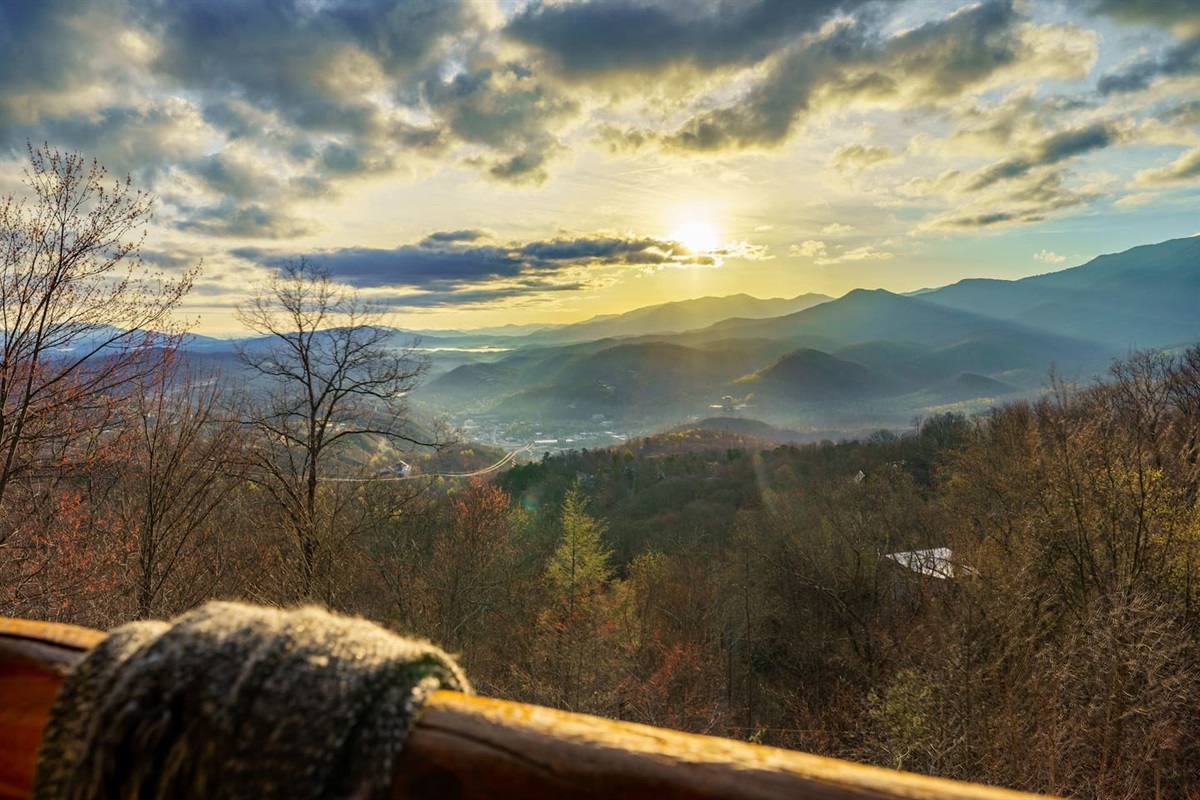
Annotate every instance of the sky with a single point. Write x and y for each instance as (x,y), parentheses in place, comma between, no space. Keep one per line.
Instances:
(484,163)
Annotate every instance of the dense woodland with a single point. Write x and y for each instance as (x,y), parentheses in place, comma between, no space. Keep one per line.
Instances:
(721,585)
(696,580)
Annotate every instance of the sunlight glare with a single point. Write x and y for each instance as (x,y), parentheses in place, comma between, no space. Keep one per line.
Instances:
(697,236)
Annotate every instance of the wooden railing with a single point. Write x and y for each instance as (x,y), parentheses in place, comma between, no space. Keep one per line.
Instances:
(473,747)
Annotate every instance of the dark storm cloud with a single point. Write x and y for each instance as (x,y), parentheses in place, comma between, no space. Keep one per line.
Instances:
(1181,60)
(447,260)
(594,39)
(1051,150)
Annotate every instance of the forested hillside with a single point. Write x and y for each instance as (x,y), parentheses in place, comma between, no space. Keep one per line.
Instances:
(1010,599)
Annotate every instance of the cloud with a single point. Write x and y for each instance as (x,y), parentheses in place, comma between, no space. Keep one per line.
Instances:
(1032,197)
(852,65)
(867,253)
(1182,60)
(743,250)
(1051,150)
(506,109)
(327,91)
(229,218)
(1134,200)
(1181,16)
(143,142)
(311,62)
(63,58)
(1187,113)
(836,229)
(857,156)
(476,296)
(1185,169)
(443,237)
(812,248)
(823,255)
(595,40)
(449,262)
(1048,257)
(240,113)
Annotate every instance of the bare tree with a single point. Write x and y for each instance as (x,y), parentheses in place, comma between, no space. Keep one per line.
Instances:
(78,315)
(185,463)
(329,377)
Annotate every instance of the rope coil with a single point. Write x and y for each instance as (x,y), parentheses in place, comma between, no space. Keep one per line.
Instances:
(235,701)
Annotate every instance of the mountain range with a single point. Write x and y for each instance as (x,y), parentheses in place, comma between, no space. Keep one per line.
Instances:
(871,357)
(868,359)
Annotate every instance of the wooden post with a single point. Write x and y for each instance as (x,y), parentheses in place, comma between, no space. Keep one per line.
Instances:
(34,659)
(471,748)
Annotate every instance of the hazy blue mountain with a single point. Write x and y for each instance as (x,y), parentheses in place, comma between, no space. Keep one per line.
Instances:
(477,380)
(684,315)
(1143,297)
(865,315)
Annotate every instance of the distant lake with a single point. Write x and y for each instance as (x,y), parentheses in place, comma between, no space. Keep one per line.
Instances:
(463,349)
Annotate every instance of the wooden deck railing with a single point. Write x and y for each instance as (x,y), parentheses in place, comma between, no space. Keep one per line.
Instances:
(472,747)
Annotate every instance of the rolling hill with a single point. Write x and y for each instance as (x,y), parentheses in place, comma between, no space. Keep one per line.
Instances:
(812,376)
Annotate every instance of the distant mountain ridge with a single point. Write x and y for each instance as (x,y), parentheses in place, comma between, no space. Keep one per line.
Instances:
(1145,296)
(678,317)
(871,357)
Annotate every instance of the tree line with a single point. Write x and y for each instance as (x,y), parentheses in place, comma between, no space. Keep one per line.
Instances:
(1010,599)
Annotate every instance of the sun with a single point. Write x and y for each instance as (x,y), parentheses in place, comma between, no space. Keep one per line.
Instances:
(697,236)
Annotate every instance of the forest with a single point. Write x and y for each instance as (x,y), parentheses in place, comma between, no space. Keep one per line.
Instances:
(1011,598)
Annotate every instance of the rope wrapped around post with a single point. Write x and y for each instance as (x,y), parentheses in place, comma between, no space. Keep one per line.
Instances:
(237,701)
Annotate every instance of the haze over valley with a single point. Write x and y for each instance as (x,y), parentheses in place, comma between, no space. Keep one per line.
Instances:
(813,367)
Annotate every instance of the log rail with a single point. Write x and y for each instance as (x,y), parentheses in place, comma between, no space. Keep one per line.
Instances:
(471,748)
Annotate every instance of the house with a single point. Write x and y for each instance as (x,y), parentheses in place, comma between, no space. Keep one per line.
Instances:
(938,562)
(922,575)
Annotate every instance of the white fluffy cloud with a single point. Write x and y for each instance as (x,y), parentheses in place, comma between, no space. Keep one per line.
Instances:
(1048,257)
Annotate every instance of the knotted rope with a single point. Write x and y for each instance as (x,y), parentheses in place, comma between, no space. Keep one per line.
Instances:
(234,701)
